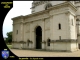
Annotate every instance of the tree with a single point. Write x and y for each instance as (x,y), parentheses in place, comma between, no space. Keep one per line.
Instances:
(9,37)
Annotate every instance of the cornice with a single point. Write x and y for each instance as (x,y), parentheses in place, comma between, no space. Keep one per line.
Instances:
(65,4)
(37,19)
(16,23)
(35,14)
(18,17)
(77,15)
(65,40)
(77,6)
(77,2)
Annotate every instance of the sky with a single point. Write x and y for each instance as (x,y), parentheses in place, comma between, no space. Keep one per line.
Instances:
(19,8)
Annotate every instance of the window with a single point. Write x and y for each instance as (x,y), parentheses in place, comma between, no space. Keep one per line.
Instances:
(59,37)
(48,42)
(77,19)
(17,32)
(77,22)
(59,25)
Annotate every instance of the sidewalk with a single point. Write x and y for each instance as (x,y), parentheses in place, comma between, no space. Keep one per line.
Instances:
(34,53)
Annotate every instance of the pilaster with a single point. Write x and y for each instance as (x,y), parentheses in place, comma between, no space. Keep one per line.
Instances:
(68,20)
(22,31)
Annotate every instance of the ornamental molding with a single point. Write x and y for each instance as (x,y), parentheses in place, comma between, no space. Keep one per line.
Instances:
(56,7)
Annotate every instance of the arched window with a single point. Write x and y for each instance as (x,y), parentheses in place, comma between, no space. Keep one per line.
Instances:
(77,21)
(48,6)
(59,25)
(48,42)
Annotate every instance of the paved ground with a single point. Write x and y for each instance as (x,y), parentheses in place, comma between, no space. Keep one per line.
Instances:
(32,53)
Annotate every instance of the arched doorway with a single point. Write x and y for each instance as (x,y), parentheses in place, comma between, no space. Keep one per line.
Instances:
(38,37)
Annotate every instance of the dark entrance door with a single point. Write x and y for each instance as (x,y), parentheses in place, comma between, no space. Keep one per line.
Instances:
(38,37)
(79,46)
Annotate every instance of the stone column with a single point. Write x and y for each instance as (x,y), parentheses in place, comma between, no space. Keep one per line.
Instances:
(68,19)
(34,39)
(33,35)
(31,39)
(22,33)
(51,27)
(43,34)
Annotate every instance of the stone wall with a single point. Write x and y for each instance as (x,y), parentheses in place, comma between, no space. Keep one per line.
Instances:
(49,21)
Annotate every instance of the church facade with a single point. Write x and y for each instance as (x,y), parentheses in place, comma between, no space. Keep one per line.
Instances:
(52,25)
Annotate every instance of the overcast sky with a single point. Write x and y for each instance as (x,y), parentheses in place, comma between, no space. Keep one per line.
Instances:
(19,8)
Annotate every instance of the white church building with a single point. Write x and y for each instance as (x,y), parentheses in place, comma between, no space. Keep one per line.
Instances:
(52,25)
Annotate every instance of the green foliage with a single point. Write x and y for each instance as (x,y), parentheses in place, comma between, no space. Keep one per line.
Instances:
(9,37)
(9,46)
